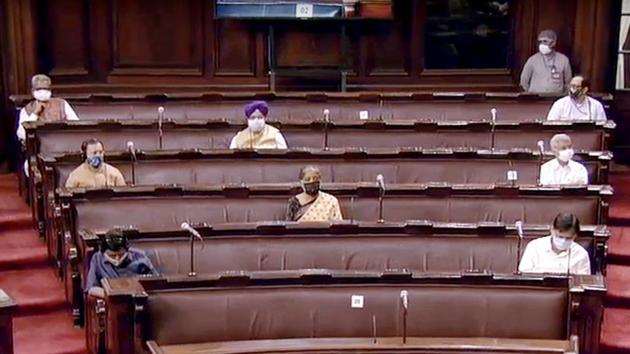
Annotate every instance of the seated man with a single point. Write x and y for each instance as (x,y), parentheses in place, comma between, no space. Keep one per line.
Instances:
(43,107)
(577,105)
(94,172)
(557,253)
(116,259)
(562,169)
(258,134)
(312,204)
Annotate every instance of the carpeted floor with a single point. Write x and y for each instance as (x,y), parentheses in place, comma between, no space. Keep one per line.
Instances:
(44,320)
(44,323)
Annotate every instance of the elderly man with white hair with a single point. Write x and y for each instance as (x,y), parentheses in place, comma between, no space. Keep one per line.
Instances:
(43,107)
(562,170)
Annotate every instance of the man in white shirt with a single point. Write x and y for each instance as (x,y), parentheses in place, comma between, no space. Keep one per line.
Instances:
(258,134)
(43,107)
(562,170)
(577,105)
(558,252)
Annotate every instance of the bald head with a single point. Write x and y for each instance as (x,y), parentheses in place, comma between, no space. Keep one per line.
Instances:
(560,142)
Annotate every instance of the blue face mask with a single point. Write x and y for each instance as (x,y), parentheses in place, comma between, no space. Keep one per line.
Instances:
(95,161)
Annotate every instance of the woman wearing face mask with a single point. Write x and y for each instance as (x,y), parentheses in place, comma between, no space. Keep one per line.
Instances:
(312,205)
(558,252)
(116,260)
(44,107)
(563,170)
(547,71)
(258,134)
(94,172)
(577,105)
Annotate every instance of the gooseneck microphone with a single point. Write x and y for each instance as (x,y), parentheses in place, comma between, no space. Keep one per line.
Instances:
(134,159)
(541,150)
(380,180)
(194,234)
(493,121)
(160,120)
(519,245)
(404,300)
(326,123)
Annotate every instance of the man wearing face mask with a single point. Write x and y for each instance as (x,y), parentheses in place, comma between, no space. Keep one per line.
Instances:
(562,170)
(312,205)
(558,252)
(258,134)
(94,172)
(116,260)
(577,105)
(43,107)
(547,71)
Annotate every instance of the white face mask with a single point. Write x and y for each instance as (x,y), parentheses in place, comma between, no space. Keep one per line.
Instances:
(42,95)
(565,155)
(115,262)
(561,243)
(256,125)
(544,49)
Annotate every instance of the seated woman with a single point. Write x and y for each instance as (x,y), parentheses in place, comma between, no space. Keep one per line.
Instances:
(258,134)
(312,205)
(557,253)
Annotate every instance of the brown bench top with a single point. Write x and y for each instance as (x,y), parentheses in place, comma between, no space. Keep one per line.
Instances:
(373,345)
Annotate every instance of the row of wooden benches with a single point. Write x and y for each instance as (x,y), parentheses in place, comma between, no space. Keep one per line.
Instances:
(310,106)
(245,312)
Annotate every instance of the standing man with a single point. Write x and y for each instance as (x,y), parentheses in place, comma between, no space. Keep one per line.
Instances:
(43,107)
(547,71)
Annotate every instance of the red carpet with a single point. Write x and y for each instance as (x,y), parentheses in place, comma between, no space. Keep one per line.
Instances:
(615,337)
(44,322)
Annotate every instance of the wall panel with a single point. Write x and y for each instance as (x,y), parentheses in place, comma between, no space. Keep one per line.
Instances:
(157,37)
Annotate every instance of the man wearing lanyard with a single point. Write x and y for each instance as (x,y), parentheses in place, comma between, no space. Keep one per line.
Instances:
(547,71)
(577,105)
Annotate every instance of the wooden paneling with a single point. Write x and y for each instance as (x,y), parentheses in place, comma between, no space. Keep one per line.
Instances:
(158,37)
(65,43)
(235,48)
(170,45)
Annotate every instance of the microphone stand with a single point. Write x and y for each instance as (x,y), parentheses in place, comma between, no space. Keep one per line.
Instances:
(540,162)
(374,329)
(326,122)
(192,256)
(493,125)
(404,300)
(380,204)
(519,246)
(160,119)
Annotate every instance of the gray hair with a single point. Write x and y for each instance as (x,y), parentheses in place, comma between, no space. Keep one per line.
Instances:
(40,79)
(549,34)
(307,169)
(559,138)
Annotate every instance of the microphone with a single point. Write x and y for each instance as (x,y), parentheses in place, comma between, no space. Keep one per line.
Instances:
(404,299)
(131,150)
(519,245)
(132,153)
(493,121)
(186,226)
(160,119)
(541,149)
(326,123)
(193,234)
(380,180)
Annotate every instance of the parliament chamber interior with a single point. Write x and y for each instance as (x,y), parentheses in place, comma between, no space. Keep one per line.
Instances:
(314,176)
